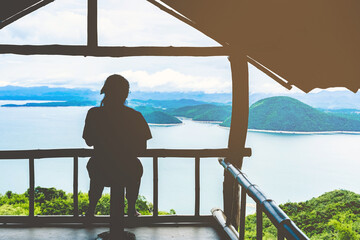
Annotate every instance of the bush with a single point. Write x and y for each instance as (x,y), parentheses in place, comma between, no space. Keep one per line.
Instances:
(51,201)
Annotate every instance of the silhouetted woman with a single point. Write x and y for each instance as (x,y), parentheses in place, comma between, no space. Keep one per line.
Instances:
(118,134)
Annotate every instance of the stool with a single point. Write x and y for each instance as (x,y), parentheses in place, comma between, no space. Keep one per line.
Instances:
(117,222)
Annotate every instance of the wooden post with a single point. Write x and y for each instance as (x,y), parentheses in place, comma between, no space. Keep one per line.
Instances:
(76,187)
(238,131)
(92,40)
(32,187)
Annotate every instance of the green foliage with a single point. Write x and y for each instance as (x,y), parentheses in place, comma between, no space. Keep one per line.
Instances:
(50,201)
(269,232)
(333,215)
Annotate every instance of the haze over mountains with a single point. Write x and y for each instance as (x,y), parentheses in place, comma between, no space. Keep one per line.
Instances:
(278,113)
(322,99)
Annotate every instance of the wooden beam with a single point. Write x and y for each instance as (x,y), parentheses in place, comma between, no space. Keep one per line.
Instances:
(73,50)
(174,14)
(92,26)
(24,13)
(182,18)
(105,219)
(83,152)
(271,74)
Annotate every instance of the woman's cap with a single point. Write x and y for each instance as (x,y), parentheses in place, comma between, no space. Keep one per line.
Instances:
(115,84)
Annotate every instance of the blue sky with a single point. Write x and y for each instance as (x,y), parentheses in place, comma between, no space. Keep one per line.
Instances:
(121,23)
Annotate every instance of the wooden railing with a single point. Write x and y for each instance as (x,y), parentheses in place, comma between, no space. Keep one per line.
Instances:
(155,154)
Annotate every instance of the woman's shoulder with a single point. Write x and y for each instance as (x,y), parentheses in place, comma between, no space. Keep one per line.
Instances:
(133,113)
(94,111)
(131,110)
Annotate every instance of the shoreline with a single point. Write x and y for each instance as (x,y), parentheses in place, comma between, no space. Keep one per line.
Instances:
(297,132)
(302,133)
(165,124)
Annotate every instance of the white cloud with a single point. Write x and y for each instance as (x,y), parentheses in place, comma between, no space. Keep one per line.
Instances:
(170,80)
(334,89)
(261,83)
(52,24)
(145,74)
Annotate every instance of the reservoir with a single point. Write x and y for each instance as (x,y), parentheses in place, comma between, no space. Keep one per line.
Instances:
(287,167)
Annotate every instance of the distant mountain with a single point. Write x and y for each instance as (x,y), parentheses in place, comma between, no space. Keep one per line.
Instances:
(47,93)
(197,96)
(165,99)
(165,103)
(323,99)
(54,104)
(289,114)
(157,115)
(204,112)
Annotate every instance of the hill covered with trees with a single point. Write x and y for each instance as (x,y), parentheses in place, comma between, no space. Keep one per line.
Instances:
(157,115)
(333,215)
(289,114)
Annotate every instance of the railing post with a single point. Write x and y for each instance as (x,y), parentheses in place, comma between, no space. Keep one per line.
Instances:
(155,186)
(197,186)
(259,221)
(75,187)
(242,214)
(32,187)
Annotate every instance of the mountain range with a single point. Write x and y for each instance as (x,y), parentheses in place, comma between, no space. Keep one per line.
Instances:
(279,113)
(322,99)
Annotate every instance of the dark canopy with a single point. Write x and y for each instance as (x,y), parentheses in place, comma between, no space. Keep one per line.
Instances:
(310,43)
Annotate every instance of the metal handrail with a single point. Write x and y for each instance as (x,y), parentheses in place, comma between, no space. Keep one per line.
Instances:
(286,227)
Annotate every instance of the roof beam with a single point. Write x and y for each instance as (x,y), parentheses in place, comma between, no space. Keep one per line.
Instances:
(166,9)
(77,50)
(24,13)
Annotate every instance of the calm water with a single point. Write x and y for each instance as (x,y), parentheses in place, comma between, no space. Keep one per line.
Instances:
(286,167)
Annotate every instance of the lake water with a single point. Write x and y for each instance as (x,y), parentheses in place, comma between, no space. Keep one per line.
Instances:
(287,167)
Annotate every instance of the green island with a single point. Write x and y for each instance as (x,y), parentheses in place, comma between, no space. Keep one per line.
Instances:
(289,114)
(51,201)
(157,115)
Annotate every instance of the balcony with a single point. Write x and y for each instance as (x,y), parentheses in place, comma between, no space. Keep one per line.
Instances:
(194,226)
